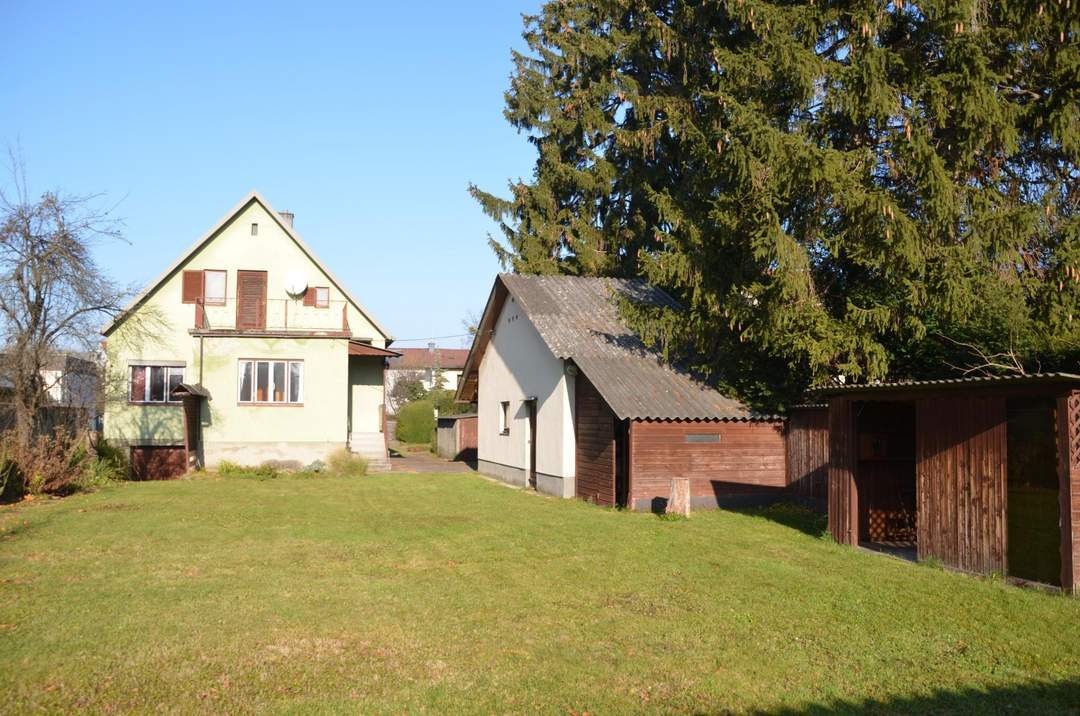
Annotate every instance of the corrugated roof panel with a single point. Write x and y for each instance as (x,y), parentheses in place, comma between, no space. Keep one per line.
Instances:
(578,319)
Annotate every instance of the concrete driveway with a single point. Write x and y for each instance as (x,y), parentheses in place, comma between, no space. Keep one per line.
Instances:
(413,458)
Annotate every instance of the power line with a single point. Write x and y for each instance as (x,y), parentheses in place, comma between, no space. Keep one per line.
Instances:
(430,338)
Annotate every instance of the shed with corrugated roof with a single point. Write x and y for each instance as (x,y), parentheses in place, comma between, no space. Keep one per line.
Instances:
(572,402)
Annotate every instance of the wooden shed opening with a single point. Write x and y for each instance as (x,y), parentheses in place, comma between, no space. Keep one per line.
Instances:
(1033,515)
(886,478)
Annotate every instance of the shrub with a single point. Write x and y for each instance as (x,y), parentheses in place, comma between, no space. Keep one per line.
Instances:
(315,467)
(416,422)
(344,463)
(51,464)
(265,471)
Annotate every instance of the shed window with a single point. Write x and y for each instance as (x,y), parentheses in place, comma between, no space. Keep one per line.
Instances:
(504,418)
(154,383)
(270,381)
(703,438)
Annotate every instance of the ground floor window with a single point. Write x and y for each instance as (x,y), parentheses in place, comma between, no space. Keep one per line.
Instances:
(154,383)
(271,381)
(504,418)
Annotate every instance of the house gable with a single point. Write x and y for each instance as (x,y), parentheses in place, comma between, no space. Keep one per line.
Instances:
(233,245)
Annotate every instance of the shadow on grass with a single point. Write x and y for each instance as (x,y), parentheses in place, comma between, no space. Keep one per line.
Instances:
(790,515)
(1034,698)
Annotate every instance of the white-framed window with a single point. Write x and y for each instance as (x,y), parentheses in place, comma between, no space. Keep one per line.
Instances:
(322,296)
(214,288)
(154,383)
(254,229)
(504,418)
(271,382)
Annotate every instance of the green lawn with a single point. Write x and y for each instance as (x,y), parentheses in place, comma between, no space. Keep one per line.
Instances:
(436,593)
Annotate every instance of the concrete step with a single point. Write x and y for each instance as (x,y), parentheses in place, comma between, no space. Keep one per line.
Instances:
(371,447)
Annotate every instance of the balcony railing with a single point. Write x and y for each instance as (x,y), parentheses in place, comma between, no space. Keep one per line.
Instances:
(274,314)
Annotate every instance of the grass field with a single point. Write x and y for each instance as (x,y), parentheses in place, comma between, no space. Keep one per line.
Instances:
(450,593)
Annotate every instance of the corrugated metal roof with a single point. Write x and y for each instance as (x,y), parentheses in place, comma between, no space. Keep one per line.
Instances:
(969,381)
(578,319)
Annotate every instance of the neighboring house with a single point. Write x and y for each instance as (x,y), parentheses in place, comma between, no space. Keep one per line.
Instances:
(572,403)
(72,384)
(425,364)
(247,348)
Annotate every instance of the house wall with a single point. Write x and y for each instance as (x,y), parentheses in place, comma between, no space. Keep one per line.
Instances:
(747,465)
(517,365)
(159,332)
(251,434)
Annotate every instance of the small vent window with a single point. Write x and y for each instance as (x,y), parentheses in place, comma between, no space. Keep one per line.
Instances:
(703,438)
(254,229)
(504,418)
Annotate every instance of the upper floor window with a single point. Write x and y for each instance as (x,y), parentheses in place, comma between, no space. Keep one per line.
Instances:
(215,285)
(154,383)
(317,296)
(254,229)
(271,381)
(207,287)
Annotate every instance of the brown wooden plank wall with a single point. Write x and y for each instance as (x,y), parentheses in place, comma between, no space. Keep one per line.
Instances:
(807,445)
(748,459)
(843,517)
(961,474)
(1068,418)
(595,437)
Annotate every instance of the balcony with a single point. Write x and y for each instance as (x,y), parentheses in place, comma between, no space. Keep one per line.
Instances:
(271,316)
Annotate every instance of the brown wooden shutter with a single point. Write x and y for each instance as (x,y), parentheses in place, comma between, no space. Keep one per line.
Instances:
(250,299)
(309,296)
(193,286)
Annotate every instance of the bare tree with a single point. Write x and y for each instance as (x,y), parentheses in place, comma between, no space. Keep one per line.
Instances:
(53,295)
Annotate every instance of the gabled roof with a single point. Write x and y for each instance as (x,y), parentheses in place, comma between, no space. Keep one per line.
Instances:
(253,196)
(578,320)
(423,358)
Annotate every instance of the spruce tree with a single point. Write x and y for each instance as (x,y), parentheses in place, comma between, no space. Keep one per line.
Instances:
(874,189)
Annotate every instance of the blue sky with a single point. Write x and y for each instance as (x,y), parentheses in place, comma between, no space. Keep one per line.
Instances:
(367,120)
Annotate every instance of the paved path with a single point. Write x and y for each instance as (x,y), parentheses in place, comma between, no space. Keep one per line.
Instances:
(410,461)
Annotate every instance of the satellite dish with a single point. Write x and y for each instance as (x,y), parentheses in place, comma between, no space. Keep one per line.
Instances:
(295,283)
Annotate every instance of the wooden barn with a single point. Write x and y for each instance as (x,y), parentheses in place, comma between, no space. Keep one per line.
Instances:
(572,403)
(981,474)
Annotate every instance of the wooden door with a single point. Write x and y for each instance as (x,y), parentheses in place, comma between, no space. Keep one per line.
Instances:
(250,299)
(622,462)
(530,406)
(155,462)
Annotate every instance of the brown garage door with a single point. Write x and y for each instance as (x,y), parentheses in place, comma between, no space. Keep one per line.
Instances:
(157,462)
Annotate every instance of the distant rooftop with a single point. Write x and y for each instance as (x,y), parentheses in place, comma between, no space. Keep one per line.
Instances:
(424,358)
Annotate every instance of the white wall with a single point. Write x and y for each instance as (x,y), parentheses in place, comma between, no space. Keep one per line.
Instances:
(516,365)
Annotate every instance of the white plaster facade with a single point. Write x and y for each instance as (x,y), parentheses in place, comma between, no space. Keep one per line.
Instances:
(518,366)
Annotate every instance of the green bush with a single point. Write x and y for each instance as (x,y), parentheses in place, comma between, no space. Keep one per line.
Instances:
(444,402)
(345,464)
(416,422)
(227,468)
